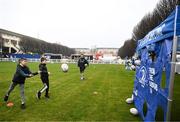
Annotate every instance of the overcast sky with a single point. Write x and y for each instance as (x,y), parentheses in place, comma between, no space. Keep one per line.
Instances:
(75,23)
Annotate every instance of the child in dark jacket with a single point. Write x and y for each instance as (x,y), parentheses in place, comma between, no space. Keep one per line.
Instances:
(22,72)
(44,78)
(82,63)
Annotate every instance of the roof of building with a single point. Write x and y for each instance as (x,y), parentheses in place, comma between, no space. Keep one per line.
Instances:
(17,34)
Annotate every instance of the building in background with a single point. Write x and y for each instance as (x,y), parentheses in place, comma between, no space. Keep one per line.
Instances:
(82,50)
(10,41)
(109,52)
(104,54)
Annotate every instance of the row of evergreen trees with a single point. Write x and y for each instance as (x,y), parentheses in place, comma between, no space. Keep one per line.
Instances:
(29,44)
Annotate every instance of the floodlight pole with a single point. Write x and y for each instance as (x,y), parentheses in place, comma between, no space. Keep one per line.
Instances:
(172,74)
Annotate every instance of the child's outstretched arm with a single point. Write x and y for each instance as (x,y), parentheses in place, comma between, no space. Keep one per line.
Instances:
(35,73)
(29,74)
(87,63)
(78,64)
(23,74)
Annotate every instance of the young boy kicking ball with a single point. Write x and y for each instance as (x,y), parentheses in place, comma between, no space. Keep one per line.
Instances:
(44,78)
(22,72)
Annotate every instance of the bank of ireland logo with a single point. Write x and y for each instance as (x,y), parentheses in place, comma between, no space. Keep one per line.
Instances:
(142,76)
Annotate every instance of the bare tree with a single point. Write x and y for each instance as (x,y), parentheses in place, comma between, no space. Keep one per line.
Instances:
(147,23)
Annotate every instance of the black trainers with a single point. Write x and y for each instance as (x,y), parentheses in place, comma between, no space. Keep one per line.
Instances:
(6,98)
(23,106)
(47,96)
(39,95)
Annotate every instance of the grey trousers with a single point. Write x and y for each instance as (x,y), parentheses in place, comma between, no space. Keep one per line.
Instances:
(12,86)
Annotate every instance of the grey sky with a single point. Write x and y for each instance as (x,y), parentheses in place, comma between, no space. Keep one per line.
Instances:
(75,23)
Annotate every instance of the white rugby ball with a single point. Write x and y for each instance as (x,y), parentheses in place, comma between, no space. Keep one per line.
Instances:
(129,100)
(138,62)
(133,67)
(64,67)
(134,111)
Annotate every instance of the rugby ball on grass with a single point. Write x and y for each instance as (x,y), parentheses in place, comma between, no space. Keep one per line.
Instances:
(64,67)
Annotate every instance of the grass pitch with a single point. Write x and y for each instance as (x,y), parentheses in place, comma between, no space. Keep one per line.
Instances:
(73,99)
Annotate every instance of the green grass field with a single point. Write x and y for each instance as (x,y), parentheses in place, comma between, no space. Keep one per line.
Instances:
(73,99)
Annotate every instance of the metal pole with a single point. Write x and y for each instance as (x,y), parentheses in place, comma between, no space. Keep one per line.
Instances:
(173,63)
(1,41)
